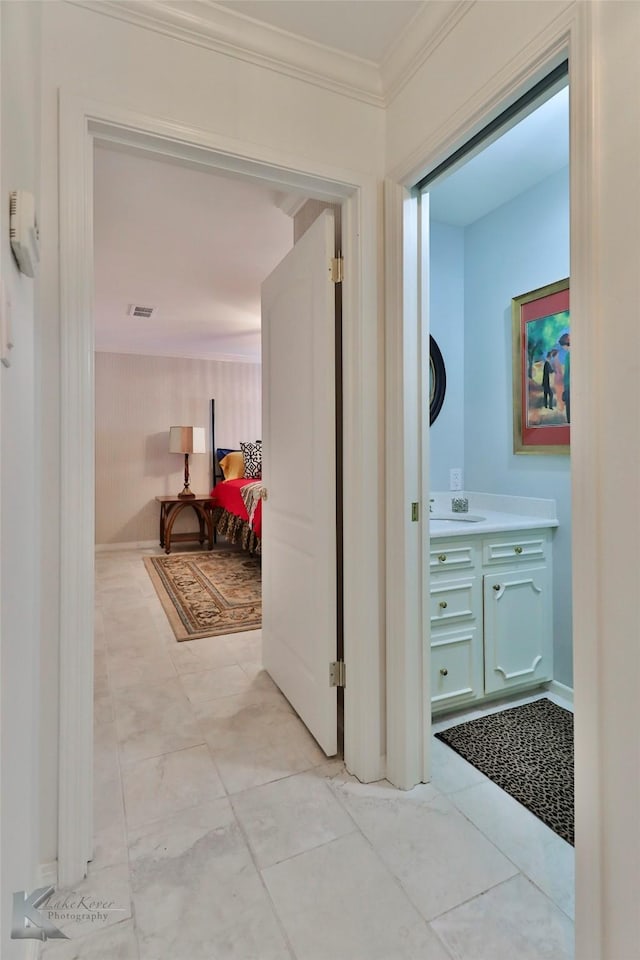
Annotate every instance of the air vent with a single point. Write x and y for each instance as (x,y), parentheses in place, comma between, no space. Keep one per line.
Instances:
(135,310)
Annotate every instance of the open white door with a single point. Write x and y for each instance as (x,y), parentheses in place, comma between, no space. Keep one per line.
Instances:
(299,627)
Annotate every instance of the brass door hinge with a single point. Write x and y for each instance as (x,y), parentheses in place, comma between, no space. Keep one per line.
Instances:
(337,269)
(337,674)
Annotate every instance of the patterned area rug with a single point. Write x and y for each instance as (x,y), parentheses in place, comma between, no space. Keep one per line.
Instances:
(208,594)
(528,751)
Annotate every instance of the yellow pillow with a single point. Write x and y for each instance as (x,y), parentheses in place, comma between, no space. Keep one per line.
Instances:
(233,465)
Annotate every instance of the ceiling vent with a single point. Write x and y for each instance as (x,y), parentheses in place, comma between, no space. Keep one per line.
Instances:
(135,310)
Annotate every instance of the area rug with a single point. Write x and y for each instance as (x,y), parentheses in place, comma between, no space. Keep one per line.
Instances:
(208,594)
(528,751)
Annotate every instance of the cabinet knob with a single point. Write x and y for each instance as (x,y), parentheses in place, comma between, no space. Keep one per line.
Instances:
(443,604)
(517,549)
(496,587)
(443,671)
(442,557)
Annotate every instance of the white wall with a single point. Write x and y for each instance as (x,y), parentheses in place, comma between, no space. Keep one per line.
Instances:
(95,56)
(137,400)
(20,511)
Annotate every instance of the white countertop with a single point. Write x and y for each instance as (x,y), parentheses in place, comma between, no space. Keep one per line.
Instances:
(499,514)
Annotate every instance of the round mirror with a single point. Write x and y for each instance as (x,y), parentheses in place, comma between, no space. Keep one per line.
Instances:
(437,380)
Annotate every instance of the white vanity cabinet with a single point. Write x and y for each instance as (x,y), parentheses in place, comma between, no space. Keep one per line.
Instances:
(491,615)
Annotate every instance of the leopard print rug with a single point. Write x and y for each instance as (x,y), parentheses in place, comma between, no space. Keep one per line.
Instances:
(528,751)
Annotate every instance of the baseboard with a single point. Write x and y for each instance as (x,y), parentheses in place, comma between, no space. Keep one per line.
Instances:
(48,874)
(131,545)
(554,686)
(32,949)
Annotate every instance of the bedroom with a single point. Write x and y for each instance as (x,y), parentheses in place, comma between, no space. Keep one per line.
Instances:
(193,246)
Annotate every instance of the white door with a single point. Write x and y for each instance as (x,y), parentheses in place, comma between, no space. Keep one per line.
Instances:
(299,515)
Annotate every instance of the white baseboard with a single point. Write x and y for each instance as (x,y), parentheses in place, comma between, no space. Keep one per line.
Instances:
(48,874)
(132,545)
(554,686)
(32,949)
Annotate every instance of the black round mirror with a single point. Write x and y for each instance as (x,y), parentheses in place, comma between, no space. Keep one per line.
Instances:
(437,380)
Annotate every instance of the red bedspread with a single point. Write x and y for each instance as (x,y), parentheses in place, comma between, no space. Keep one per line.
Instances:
(227,495)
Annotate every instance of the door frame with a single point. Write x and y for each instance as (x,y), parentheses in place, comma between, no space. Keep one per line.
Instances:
(408,722)
(82,122)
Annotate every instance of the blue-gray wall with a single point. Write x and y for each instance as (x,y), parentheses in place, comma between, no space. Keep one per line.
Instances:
(522,245)
(447,327)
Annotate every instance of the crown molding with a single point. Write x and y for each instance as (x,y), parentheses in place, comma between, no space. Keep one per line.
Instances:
(206,24)
(426,31)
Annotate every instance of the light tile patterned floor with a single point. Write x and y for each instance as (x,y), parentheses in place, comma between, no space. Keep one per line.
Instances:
(223,833)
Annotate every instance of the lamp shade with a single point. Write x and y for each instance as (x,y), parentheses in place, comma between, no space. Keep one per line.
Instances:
(186,440)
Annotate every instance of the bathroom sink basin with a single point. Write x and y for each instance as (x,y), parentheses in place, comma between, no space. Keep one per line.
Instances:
(455,517)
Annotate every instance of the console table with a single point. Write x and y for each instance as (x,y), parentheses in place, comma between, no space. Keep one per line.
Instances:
(170,510)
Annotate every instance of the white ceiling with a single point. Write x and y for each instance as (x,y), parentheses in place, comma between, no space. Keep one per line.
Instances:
(194,244)
(527,153)
(362,28)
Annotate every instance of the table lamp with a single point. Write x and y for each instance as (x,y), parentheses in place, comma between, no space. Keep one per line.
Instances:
(186,440)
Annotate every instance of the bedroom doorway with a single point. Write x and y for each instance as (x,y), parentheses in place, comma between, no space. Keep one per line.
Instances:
(81,124)
(168,237)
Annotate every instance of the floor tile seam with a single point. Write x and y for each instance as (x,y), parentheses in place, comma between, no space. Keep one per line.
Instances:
(476,896)
(391,875)
(495,844)
(316,846)
(155,756)
(381,857)
(176,813)
(279,921)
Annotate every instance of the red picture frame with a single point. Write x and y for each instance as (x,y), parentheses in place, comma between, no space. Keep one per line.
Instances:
(542,370)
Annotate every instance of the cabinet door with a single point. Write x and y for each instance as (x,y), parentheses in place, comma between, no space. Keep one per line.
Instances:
(518,628)
(456,667)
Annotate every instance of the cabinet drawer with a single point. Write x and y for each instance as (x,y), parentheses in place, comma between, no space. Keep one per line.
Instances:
(452,600)
(447,557)
(455,671)
(513,548)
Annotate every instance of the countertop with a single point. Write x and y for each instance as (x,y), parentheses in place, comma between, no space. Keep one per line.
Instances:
(500,514)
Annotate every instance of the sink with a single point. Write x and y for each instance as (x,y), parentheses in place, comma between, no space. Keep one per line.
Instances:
(455,517)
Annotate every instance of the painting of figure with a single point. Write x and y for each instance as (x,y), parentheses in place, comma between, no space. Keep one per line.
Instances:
(542,370)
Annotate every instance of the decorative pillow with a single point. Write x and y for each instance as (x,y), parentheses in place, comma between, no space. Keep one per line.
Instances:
(232,465)
(252,454)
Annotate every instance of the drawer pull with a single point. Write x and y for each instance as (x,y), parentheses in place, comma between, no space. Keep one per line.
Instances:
(443,604)
(518,549)
(442,557)
(443,672)
(496,587)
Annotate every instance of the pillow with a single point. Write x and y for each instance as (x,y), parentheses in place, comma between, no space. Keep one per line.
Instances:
(252,455)
(232,465)
(221,452)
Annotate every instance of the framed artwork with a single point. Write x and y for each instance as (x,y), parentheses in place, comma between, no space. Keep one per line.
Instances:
(542,370)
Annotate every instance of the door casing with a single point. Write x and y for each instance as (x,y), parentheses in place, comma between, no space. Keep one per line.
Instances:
(82,123)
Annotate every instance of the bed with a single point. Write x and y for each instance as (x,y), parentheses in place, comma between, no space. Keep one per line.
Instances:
(236,501)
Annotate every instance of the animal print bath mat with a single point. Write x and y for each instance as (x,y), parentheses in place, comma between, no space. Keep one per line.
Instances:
(528,751)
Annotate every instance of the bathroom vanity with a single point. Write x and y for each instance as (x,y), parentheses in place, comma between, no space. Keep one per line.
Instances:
(491,603)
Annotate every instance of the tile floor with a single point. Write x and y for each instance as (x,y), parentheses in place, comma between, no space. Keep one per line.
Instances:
(223,833)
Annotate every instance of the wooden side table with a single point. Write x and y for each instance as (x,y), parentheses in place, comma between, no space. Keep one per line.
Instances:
(170,510)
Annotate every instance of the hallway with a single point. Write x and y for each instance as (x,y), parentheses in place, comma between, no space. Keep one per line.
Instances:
(222,831)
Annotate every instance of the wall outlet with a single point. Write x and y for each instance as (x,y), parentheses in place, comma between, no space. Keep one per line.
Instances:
(455,478)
